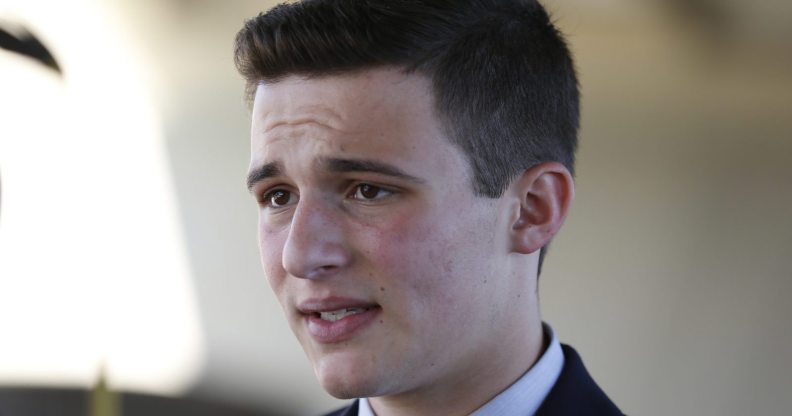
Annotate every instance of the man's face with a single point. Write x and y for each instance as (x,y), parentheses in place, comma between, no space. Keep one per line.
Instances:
(393,275)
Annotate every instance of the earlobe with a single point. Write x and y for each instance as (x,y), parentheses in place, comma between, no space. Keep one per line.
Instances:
(546,192)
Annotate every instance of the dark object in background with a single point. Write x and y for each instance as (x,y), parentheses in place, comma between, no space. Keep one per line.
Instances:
(28,45)
(18,401)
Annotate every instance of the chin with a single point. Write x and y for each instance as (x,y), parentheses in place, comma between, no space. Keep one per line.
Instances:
(347,386)
(344,393)
(345,376)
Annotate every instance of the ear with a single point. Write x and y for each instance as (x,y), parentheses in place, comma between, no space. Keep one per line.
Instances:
(545,192)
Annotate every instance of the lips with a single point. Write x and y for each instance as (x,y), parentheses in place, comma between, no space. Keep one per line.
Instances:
(333,316)
(333,320)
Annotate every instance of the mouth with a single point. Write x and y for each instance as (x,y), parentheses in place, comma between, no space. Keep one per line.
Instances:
(337,315)
(330,321)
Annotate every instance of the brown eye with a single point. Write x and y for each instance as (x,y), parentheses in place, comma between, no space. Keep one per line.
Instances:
(365,191)
(279,198)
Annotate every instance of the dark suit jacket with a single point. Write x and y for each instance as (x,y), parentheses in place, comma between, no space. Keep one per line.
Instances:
(574,394)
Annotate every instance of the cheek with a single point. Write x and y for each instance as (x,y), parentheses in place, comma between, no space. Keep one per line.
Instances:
(416,261)
(443,263)
(395,244)
(271,253)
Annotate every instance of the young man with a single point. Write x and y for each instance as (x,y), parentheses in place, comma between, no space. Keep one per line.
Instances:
(411,160)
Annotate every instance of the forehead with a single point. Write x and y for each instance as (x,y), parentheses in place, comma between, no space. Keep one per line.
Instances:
(382,91)
(379,112)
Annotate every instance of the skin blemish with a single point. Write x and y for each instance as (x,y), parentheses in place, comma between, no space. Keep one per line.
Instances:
(380,320)
(382,288)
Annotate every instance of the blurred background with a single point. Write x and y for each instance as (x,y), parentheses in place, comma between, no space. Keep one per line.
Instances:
(127,237)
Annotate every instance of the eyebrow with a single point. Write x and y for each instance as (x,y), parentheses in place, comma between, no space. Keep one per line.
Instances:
(268,170)
(335,165)
(365,165)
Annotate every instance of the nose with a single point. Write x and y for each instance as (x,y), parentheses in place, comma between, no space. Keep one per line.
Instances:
(316,246)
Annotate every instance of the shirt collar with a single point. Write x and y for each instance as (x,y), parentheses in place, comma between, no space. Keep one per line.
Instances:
(526,394)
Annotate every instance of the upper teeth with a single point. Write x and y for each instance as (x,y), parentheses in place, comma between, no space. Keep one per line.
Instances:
(333,316)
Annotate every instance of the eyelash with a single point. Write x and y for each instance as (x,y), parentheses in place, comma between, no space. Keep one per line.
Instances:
(266,199)
(359,187)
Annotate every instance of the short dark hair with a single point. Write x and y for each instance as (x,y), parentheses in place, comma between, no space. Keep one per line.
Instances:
(503,79)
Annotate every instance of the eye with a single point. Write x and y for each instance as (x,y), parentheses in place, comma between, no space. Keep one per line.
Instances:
(367,192)
(279,198)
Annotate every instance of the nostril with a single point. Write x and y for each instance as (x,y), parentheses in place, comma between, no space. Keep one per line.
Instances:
(322,271)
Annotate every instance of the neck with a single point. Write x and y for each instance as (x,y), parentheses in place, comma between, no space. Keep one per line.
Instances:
(489,374)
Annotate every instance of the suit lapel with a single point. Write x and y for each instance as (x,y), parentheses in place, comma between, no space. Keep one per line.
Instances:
(575,392)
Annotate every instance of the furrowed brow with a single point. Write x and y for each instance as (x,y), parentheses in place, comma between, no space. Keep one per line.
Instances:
(262,172)
(363,165)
